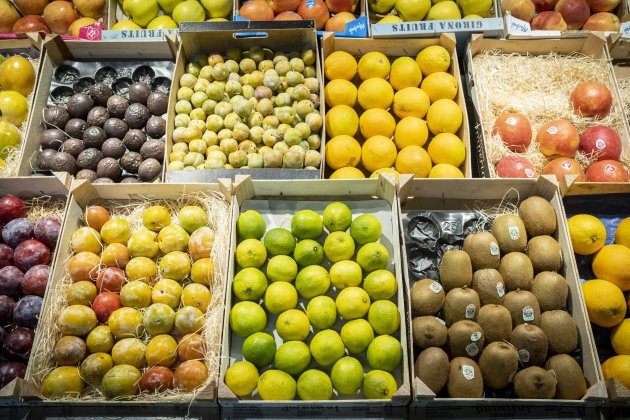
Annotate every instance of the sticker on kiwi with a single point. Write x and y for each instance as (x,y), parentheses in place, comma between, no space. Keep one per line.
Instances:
(470,311)
(436,287)
(468,372)
(475,336)
(500,289)
(472,349)
(552,373)
(512,376)
(494,248)
(523,355)
(440,320)
(528,314)
(514,232)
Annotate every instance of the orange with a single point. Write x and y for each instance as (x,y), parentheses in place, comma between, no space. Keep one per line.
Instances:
(605,303)
(620,337)
(340,65)
(375,93)
(447,148)
(378,152)
(347,173)
(405,73)
(342,119)
(340,92)
(377,121)
(342,151)
(622,235)
(414,160)
(588,234)
(444,170)
(612,263)
(411,101)
(374,64)
(617,367)
(411,131)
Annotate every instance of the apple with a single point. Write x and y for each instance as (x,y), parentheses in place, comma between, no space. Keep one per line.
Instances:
(31,7)
(591,99)
(280,6)
(544,5)
(514,129)
(574,12)
(558,138)
(288,16)
(601,142)
(603,5)
(564,166)
(602,21)
(315,10)
(549,21)
(94,9)
(515,167)
(104,304)
(606,171)
(338,6)
(59,15)
(31,23)
(338,22)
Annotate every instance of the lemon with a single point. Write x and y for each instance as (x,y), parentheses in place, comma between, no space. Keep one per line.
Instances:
(337,217)
(340,65)
(365,228)
(307,224)
(414,160)
(375,93)
(275,384)
(384,353)
(618,367)
(378,152)
(312,281)
(347,173)
(293,325)
(347,375)
(411,101)
(338,246)
(345,273)
(447,148)
(357,335)
(352,303)
(444,170)
(390,19)
(341,119)
(380,284)
(405,73)
(384,317)
(605,303)
(378,384)
(247,318)
(251,253)
(372,256)
(587,232)
(322,312)
(280,296)
(392,171)
(444,10)
(411,131)
(249,284)
(292,357)
(444,116)
(342,151)
(241,378)
(433,59)
(376,121)
(622,234)
(612,263)
(282,268)
(327,347)
(620,337)
(373,64)
(340,92)
(155,218)
(259,349)
(440,85)
(308,252)
(250,225)
(314,385)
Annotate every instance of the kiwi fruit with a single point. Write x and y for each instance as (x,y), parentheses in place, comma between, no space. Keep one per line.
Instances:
(455,269)
(496,322)
(510,233)
(464,379)
(103,181)
(534,383)
(427,297)
(538,216)
(551,290)
(428,331)
(498,364)
(465,339)
(531,343)
(523,307)
(488,283)
(545,254)
(483,249)
(129,180)
(149,169)
(561,331)
(460,303)
(432,368)
(571,384)
(517,271)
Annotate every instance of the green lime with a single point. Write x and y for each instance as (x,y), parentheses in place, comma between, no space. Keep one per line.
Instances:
(276,385)
(339,246)
(366,228)
(250,253)
(352,303)
(259,348)
(380,284)
(357,335)
(242,378)
(280,296)
(250,225)
(384,353)
(293,325)
(312,281)
(314,385)
(279,241)
(378,384)
(337,217)
(322,312)
(306,224)
(282,268)
(247,318)
(347,375)
(292,357)
(345,273)
(372,257)
(384,317)
(327,347)
(249,284)
(308,252)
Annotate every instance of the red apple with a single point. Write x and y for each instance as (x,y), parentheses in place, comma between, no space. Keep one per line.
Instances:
(544,5)
(606,171)
(338,6)
(558,138)
(31,7)
(549,21)
(314,10)
(280,6)
(515,167)
(574,12)
(31,23)
(59,15)
(602,142)
(515,131)
(591,99)
(338,22)
(603,5)
(288,16)
(564,166)
(104,304)
(602,21)
(110,279)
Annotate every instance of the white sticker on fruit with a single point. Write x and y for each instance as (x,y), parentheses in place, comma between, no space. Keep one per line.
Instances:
(470,311)
(610,169)
(529,173)
(511,121)
(475,336)
(512,376)
(440,320)
(468,372)
(494,248)
(523,355)
(436,287)
(500,289)
(514,232)
(600,144)
(552,373)
(566,164)
(472,349)
(552,130)
(528,314)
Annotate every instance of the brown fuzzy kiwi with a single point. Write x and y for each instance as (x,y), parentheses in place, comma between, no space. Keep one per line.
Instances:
(551,290)
(545,253)
(461,303)
(571,384)
(428,331)
(523,307)
(464,379)
(517,271)
(483,249)
(455,269)
(465,339)
(534,383)
(496,322)
(531,344)
(488,283)
(538,216)
(561,331)
(510,233)
(498,364)
(427,297)
(432,368)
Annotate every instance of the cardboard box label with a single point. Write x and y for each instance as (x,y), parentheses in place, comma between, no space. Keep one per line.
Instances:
(138,34)
(430,28)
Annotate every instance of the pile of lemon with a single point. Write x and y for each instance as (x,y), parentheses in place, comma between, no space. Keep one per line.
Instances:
(384,124)
(334,323)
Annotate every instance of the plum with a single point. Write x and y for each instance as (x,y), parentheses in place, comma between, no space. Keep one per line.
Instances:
(6,255)
(31,253)
(47,231)
(11,281)
(11,207)
(35,280)
(156,379)
(11,370)
(3,336)
(6,310)
(26,311)
(17,231)
(17,345)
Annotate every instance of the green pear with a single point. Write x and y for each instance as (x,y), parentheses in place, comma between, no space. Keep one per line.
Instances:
(189,11)
(168,5)
(141,11)
(412,10)
(217,8)
(381,6)
(475,7)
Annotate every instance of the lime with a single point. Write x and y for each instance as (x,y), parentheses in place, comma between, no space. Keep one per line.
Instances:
(365,228)
(282,268)
(347,375)
(241,378)
(251,253)
(155,218)
(314,385)
(292,357)
(247,318)
(259,348)
(280,296)
(312,281)
(339,246)
(327,347)
(322,312)
(378,384)
(384,353)
(308,252)
(293,325)
(372,257)
(249,284)
(357,335)
(306,224)
(384,317)
(276,385)
(352,303)
(250,225)
(279,241)
(380,284)
(337,217)
(345,273)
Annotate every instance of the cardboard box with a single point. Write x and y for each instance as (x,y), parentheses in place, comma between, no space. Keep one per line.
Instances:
(478,195)
(56,51)
(277,201)
(406,47)
(208,37)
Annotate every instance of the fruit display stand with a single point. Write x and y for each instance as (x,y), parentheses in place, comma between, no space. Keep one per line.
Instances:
(448,198)
(277,201)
